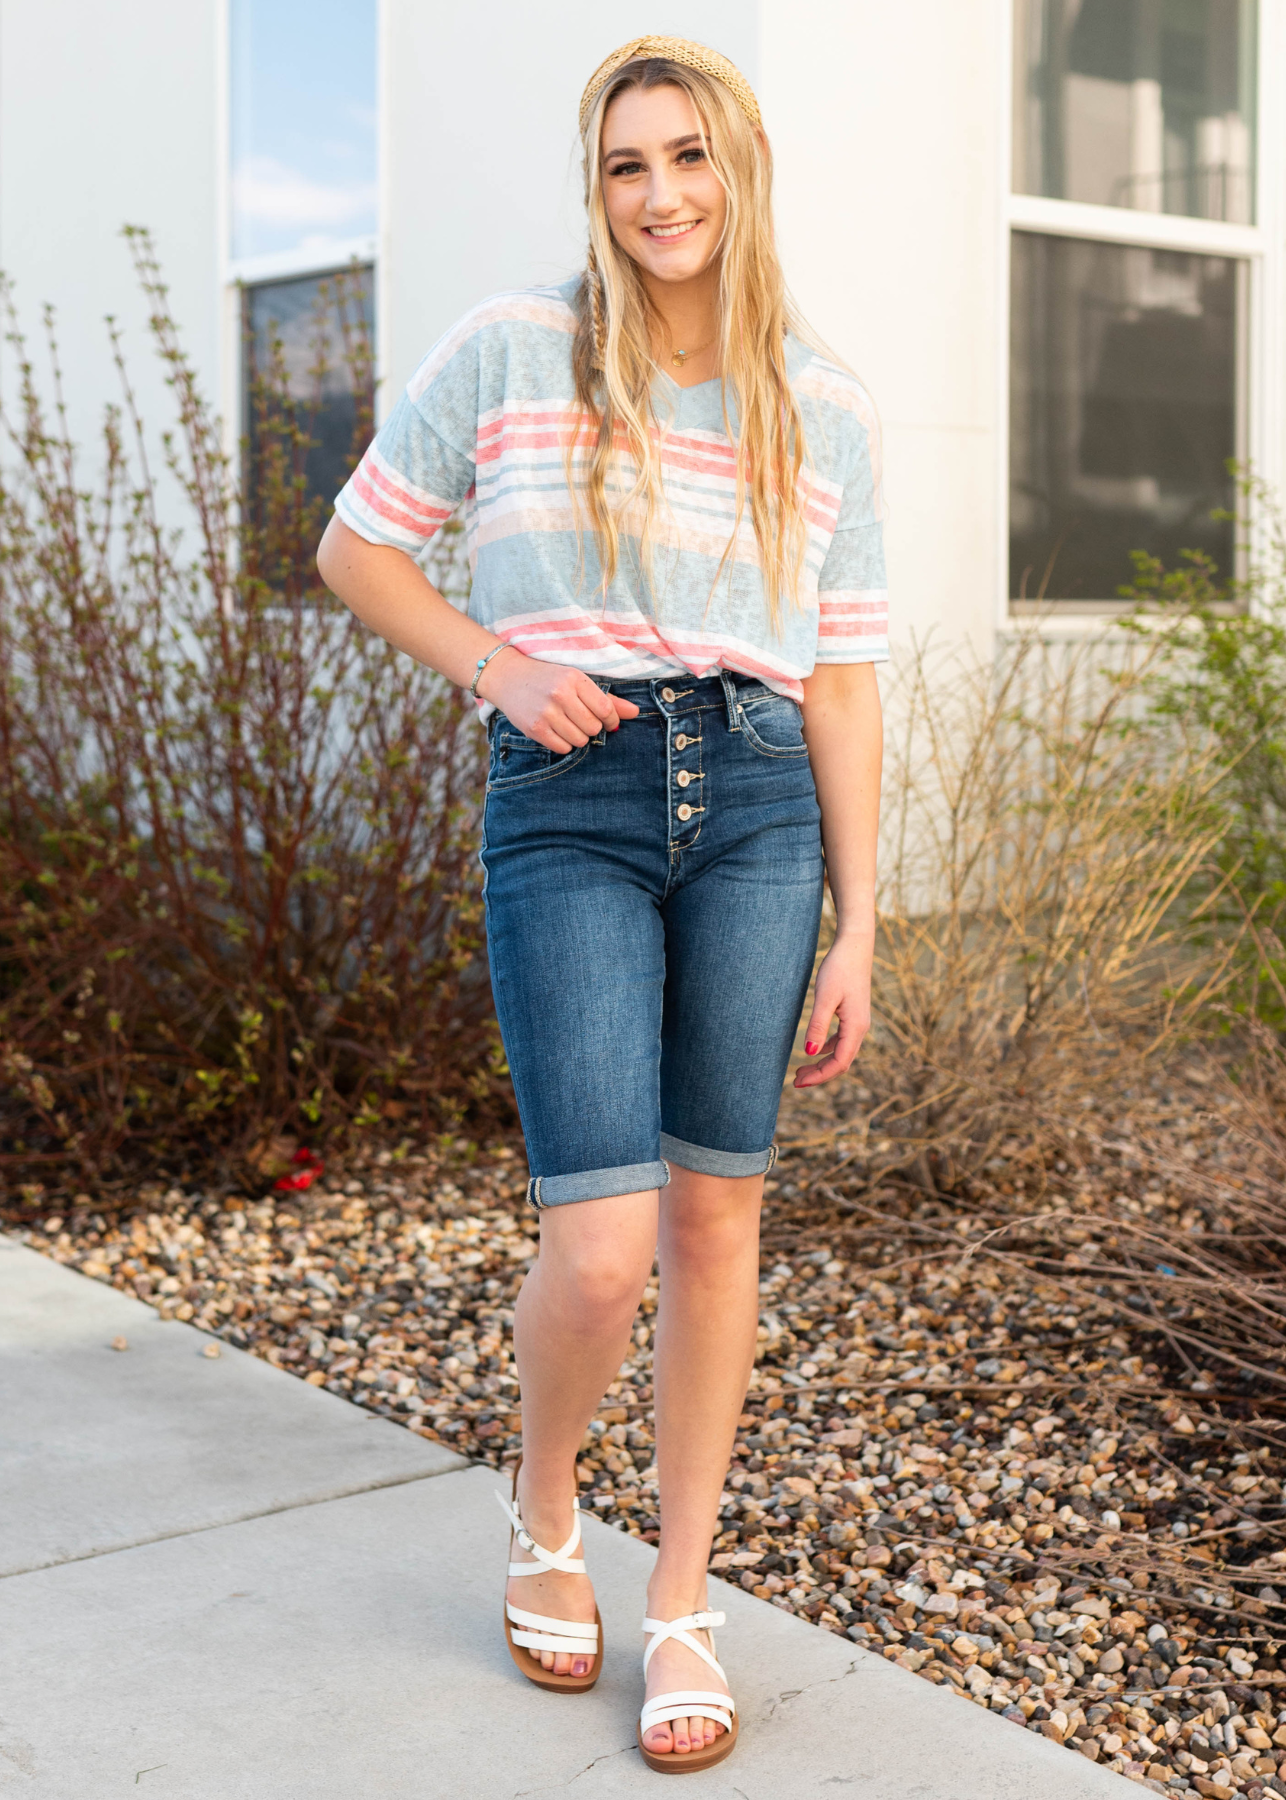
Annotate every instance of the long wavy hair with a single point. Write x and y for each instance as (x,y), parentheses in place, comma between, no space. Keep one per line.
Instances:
(614,363)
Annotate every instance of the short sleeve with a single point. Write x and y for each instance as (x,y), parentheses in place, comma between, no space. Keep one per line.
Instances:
(421,463)
(852,589)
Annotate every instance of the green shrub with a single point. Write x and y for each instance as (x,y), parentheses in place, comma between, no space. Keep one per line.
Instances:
(1221,675)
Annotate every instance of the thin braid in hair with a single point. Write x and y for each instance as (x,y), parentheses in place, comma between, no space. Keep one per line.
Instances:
(594,292)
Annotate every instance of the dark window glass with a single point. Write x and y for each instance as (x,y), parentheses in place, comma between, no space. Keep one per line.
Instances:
(1140,103)
(307,405)
(1122,411)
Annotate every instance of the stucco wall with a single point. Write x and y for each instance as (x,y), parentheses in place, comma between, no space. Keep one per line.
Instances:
(108,115)
(886,124)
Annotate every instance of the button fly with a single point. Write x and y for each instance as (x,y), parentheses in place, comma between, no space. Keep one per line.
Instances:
(681,742)
(683,778)
(684,812)
(668,695)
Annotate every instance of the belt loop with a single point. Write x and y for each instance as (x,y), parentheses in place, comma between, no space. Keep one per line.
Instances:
(533,1194)
(730,695)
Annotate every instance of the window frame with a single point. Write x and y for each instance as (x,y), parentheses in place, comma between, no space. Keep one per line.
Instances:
(1261,329)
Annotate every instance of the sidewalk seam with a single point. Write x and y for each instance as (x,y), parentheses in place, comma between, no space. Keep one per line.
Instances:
(266,1512)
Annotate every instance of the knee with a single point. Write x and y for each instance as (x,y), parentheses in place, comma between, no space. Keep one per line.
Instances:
(600,1283)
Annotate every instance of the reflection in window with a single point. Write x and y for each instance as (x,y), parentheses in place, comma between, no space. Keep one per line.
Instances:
(1122,411)
(1140,103)
(308,410)
(303,125)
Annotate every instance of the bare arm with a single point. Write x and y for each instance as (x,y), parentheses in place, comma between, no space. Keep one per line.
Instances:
(844,731)
(560,708)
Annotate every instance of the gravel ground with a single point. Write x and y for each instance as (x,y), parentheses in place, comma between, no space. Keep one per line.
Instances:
(942,1456)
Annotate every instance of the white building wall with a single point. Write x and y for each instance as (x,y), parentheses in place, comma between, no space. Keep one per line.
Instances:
(888,126)
(108,116)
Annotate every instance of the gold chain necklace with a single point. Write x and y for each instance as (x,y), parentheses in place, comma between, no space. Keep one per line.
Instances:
(680,357)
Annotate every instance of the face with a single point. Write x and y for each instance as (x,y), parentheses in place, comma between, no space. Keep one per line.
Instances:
(664,202)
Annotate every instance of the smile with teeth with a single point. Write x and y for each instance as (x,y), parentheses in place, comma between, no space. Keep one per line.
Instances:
(672,231)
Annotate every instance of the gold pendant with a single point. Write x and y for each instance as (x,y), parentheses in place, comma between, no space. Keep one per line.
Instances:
(679,357)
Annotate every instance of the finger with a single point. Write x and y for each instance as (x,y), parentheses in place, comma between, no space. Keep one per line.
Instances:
(598,702)
(573,713)
(819,1025)
(543,734)
(838,1054)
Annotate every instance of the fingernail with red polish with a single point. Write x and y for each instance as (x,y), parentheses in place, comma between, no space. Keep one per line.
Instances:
(811,1049)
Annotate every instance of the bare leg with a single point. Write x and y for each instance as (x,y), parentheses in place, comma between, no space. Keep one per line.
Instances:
(705,1349)
(571,1331)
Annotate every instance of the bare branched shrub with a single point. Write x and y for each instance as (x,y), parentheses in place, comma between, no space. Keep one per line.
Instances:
(238,892)
(1034,851)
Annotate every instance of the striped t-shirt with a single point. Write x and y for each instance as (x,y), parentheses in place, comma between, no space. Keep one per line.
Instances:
(486,420)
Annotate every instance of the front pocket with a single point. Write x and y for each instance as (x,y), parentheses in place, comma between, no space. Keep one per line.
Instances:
(518,761)
(774,727)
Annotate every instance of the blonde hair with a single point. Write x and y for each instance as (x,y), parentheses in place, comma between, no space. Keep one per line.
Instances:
(612,351)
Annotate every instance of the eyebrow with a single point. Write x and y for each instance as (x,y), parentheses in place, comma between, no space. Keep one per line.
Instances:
(678,143)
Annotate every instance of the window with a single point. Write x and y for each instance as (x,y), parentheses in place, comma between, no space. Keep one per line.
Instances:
(303,127)
(1132,257)
(1122,411)
(302,250)
(308,396)
(1140,103)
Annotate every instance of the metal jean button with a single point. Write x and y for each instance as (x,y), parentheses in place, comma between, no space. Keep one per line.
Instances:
(683,812)
(683,778)
(668,695)
(681,742)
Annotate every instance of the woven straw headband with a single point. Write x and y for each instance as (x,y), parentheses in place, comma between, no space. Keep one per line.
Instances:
(673,49)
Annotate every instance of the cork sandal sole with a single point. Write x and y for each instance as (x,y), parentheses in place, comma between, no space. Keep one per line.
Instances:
(676,1762)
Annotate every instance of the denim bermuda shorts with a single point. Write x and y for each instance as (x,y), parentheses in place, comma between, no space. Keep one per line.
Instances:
(653,900)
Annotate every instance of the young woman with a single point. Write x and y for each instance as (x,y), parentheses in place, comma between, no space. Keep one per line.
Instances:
(678,599)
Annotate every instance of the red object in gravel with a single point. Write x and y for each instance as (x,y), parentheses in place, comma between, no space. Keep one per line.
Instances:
(304,1177)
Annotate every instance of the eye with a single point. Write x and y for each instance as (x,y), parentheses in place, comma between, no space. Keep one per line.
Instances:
(625,168)
(695,155)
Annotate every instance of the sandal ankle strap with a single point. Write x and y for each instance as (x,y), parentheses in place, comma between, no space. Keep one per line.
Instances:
(560,1559)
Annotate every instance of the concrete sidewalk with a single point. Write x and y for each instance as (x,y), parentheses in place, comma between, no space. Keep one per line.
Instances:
(231,1586)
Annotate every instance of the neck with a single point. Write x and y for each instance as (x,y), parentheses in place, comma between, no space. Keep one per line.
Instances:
(687,312)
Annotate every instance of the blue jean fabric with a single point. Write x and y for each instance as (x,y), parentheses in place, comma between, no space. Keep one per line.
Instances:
(653,900)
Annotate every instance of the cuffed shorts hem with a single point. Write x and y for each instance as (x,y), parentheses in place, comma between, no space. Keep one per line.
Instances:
(717,1162)
(596,1184)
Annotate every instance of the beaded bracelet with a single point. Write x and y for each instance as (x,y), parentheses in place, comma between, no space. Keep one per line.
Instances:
(482,663)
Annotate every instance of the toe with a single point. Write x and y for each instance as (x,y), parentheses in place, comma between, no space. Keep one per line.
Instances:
(562,1664)
(682,1741)
(660,1740)
(580,1666)
(546,1659)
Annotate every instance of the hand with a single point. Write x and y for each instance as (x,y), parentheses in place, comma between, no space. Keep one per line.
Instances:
(843,986)
(560,708)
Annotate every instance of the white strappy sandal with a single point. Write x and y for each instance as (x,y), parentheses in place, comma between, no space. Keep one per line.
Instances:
(687,1703)
(570,1637)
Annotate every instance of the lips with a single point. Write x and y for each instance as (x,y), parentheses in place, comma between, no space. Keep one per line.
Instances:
(666,233)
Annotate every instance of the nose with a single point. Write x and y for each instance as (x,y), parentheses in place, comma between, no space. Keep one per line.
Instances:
(663,195)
